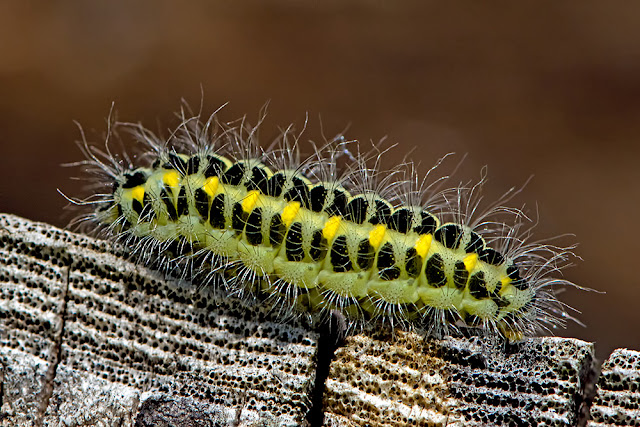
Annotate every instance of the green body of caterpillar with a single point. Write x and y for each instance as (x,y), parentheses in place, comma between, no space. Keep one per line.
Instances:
(355,253)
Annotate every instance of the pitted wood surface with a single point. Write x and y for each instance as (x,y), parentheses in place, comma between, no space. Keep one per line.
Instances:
(410,381)
(130,335)
(617,400)
(89,338)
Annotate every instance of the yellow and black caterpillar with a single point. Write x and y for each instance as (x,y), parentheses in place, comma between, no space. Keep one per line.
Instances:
(316,240)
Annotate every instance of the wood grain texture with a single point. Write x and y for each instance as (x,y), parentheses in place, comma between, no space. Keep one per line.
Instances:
(89,338)
(617,400)
(412,382)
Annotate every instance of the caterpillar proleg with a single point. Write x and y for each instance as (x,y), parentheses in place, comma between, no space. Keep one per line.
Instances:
(314,236)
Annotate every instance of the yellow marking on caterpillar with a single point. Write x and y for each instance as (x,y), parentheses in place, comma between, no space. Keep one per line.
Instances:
(251,199)
(376,235)
(171,178)
(505,280)
(423,244)
(289,212)
(211,185)
(138,193)
(331,227)
(470,262)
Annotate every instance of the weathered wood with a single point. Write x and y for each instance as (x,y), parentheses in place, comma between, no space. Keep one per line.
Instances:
(617,400)
(89,338)
(458,382)
(133,346)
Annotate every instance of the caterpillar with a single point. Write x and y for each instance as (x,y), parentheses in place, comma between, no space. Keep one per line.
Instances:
(314,237)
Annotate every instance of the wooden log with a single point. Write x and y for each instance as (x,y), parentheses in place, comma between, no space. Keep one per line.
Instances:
(458,382)
(89,338)
(617,400)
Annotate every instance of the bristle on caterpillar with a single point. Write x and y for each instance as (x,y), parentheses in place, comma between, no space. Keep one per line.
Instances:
(314,237)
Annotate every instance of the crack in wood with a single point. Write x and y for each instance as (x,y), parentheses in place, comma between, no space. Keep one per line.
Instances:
(54,356)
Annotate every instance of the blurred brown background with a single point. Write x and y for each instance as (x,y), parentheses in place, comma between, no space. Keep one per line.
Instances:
(550,89)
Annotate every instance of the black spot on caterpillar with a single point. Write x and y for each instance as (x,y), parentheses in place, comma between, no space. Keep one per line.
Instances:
(315,238)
